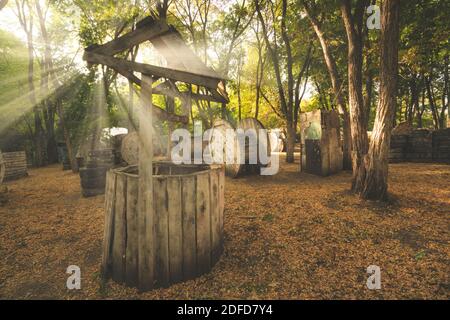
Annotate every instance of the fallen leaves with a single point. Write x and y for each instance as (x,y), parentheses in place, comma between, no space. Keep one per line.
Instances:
(290,236)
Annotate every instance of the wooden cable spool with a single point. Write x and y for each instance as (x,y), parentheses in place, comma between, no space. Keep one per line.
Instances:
(242,153)
(221,126)
(253,144)
(130,147)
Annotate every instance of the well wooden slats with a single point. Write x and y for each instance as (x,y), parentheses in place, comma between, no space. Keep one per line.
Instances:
(215,213)
(175,229)
(110,200)
(203,224)
(189,222)
(162,230)
(119,242)
(132,241)
(187,229)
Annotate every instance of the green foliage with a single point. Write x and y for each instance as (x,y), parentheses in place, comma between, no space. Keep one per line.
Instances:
(13,66)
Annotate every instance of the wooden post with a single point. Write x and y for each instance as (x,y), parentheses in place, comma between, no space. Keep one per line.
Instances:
(146,213)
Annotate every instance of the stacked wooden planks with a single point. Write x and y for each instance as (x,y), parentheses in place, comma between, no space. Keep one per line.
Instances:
(187,238)
(399,143)
(420,146)
(441,145)
(15,164)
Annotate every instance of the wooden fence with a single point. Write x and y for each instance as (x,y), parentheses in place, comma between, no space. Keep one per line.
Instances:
(15,165)
(421,146)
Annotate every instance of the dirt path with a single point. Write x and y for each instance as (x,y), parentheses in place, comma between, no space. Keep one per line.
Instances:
(291,236)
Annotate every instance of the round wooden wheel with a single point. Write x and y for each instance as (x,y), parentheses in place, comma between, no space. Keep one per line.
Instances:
(219,131)
(130,148)
(253,144)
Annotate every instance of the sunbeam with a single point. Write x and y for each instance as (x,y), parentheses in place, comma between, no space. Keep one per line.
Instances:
(15,109)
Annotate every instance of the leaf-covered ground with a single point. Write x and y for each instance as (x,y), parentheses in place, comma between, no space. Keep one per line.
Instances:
(291,236)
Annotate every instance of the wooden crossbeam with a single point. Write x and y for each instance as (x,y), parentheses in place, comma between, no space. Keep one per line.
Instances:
(130,66)
(157,111)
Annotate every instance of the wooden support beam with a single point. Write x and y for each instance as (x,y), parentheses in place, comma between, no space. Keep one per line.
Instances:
(158,112)
(143,33)
(146,214)
(177,75)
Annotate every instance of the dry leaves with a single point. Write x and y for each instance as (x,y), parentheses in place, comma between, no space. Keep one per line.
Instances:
(291,236)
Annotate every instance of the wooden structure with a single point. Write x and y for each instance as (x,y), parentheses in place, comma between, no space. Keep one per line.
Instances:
(93,172)
(187,237)
(183,66)
(243,150)
(421,145)
(15,165)
(183,70)
(321,150)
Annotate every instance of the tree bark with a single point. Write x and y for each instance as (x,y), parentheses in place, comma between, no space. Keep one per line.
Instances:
(445,95)
(375,184)
(431,101)
(67,140)
(358,119)
(290,141)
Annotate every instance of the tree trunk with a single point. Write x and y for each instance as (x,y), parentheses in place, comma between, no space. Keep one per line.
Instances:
(336,85)
(445,95)
(70,150)
(375,185)
(414,105)
(290,141)
(358,117)
(431,101)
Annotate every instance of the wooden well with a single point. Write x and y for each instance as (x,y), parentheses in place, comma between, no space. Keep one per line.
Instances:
(186,237)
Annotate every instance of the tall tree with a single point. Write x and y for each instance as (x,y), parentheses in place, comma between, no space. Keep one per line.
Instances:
(336,80)
(279,47)
(375,185)
(353,22)
(24,12)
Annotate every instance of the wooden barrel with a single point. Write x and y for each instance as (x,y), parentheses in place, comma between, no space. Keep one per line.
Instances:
(93,174)
(15,165)
(188,224)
